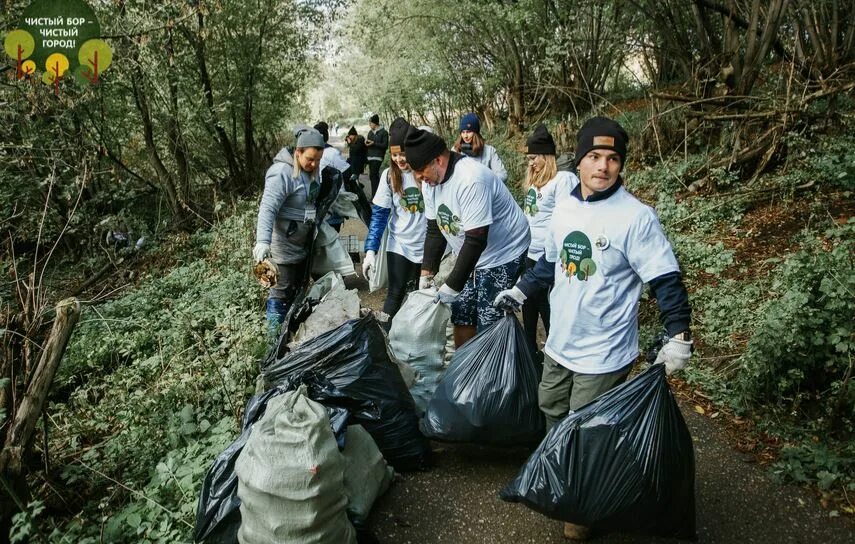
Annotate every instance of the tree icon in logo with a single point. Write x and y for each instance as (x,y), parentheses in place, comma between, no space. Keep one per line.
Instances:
(94,57)
(19,45)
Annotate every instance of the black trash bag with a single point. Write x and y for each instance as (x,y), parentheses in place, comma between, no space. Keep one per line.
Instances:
(488,395)
(343,410)
(624,462)
(218,513)
(354,358)
(362,204)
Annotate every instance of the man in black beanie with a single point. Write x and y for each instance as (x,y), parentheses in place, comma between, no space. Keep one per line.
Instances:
(377,143)
(603,245)
(468,207)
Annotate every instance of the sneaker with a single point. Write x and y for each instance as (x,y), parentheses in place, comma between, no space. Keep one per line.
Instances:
(576,532)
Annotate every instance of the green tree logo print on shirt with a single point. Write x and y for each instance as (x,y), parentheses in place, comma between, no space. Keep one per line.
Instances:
(412,200)
(576,256)
(448,222)
(530,203)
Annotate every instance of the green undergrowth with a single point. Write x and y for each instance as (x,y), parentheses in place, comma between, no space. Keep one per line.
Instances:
(150,391)
(772,313)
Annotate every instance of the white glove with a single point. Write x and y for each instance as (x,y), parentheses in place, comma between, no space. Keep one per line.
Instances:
(260,252)
(445,294)
(510,299)
(425,282)
(368,264)
(675,354)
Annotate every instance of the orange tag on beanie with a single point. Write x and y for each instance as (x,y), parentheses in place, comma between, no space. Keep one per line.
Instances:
(604,140)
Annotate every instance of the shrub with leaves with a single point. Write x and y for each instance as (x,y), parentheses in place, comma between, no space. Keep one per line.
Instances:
(151,391)
(800,356)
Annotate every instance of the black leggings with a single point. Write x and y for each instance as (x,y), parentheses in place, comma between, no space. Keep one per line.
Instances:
(535,306)
(403,277)
(374,175)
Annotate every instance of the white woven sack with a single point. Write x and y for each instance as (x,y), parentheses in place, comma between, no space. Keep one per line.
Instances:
(366,474)
(417,337)
(330,255)
(291,477)
(380,276)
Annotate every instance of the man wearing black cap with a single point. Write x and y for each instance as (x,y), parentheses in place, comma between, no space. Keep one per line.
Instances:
(377,143)
(468,207)
(603,245)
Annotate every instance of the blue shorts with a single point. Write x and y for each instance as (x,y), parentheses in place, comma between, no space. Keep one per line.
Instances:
(474,305)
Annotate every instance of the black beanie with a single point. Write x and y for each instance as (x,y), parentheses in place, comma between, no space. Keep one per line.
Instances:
(324,129)
(352,131)
(397,134)
(422,147)
(374,119)
(540,142)
(601,133)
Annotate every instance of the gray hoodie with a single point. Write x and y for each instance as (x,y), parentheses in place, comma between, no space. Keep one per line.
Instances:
(281,215)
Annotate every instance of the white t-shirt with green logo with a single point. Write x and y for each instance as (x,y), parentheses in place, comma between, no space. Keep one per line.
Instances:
(604,252)
(474,197)
(538,205)
(407,223)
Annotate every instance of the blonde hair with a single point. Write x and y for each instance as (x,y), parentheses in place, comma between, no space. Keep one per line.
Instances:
(297,168)
(539,179)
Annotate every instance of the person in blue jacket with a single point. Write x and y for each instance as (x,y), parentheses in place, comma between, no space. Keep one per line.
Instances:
(398,205)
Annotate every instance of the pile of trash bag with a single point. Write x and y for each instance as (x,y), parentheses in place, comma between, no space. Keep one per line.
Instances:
(351,373)
(355,360)
(417,337)
(623,462)
(488,395)
(217,515)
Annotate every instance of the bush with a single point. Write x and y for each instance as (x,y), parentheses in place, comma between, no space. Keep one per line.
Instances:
(799,358)
(151,391)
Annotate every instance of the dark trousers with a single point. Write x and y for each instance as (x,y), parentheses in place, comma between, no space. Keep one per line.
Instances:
(357,165)
(535,306)
(403,277)
(374,175)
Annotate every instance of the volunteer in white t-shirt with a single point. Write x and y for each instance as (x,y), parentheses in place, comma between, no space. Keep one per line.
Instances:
(398,204)
(602,246)
(472,144)
(470,209)
(544,187)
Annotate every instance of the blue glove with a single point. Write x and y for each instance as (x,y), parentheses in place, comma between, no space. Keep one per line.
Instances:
(446,294)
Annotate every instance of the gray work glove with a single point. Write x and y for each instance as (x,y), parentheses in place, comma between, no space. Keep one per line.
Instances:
(425,282)
(674,354)
(446,294)
(260,252)
(510,299)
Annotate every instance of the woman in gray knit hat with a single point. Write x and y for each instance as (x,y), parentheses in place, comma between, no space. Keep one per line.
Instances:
(285,218)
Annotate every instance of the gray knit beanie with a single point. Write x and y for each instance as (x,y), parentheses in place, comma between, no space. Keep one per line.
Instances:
(308,137)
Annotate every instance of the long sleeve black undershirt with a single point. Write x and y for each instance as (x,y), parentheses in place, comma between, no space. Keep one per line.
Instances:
(434,247)
(473,246)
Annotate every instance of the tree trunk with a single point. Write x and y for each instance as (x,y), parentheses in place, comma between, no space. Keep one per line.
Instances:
(21,430)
